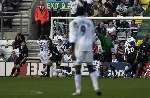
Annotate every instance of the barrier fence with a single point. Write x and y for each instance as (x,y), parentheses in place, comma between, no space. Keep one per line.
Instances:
(35,68)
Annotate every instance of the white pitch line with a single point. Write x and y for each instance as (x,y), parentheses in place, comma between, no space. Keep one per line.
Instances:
(36,92)
(29,92)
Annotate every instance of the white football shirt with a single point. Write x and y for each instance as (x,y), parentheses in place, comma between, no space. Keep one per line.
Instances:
(82,33)
(43,44)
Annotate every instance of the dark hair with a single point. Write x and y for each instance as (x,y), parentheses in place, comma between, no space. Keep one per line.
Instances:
(80,11)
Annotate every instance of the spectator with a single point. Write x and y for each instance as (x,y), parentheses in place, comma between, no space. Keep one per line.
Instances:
(120,52)
(134,28)
(101,29)
(98,9)
(80,3)
(73,7)
(138,10)
(131,2)
(109,5)
(107,12)
(124,24)
(111,29)
(89,4)
(121,9)
(41,17)
(115,3)
(114,58)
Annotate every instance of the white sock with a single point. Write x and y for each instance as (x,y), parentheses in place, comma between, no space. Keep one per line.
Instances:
(94,79)
(78,83)
(51,71)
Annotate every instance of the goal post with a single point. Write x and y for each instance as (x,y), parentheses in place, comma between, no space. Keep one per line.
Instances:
(95,18)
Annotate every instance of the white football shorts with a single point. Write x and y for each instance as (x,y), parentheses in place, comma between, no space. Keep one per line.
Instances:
(84,57)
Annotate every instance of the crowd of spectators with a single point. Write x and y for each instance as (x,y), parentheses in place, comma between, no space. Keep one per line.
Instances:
(108,8)
(108,47)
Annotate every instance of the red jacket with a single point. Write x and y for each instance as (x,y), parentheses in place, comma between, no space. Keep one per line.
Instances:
(41,15)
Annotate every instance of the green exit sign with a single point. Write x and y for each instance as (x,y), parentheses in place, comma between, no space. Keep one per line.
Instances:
(56,5)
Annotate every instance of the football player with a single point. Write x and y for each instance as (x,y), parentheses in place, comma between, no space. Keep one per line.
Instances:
(81,38)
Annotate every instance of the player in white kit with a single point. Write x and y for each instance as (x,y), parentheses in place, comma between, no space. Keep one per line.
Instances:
(45,54)
(81,37)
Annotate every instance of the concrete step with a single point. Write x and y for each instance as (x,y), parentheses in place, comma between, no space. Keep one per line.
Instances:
(18,20)
(24,7)
(27,0)
(25,14)
(15,29)
(18,24)
(26,4)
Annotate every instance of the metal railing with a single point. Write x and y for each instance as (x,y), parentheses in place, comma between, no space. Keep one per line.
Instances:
(12,16)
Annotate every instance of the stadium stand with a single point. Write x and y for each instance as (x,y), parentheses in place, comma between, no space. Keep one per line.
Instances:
(19,19)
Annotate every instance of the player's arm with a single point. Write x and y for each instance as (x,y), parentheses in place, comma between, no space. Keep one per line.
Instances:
(25,56)
(72,50)
(72,37)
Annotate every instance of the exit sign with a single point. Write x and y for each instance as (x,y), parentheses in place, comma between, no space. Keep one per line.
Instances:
(55,4)
(58,0)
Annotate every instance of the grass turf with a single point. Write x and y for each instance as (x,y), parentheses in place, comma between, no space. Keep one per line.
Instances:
(63,88)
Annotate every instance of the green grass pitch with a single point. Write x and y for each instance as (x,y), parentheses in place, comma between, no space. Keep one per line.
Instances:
(64,87)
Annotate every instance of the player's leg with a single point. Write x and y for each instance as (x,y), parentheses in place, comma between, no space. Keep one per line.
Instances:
(77,77)
(94,79)
(93,73)
(13,71)
(48,71)
(43,61)
(18,72)
(15,66)
(44,69)
(18,66)
(48,68)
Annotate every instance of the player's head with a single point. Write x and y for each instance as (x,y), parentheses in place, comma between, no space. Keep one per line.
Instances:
(80,11)
(42,37)
(41,3)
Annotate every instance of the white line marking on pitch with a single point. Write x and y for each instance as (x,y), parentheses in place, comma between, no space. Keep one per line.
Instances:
(36,92)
